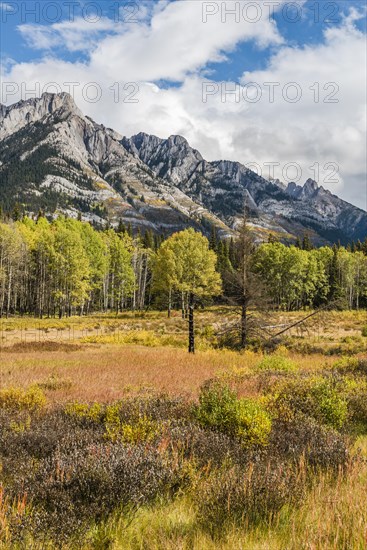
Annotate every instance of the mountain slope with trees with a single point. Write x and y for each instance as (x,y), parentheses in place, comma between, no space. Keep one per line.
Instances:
(55,159)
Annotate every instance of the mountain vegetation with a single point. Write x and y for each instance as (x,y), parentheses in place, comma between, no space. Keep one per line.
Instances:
(54,158)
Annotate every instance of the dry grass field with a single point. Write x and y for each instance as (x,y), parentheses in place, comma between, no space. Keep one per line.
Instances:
(102,358)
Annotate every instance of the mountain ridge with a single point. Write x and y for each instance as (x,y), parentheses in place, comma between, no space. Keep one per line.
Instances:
(53,157)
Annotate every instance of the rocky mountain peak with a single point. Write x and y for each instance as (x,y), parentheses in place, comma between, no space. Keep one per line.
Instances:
(178,141)
(30,111)
(310,187)
(307,191)
(141,145)
(56,159)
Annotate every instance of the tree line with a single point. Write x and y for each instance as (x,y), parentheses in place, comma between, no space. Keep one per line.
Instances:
(67,267)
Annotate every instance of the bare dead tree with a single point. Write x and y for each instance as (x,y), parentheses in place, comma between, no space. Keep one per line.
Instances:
(246,292)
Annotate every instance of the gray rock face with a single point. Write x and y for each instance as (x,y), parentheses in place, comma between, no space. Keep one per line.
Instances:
(53,157)
(224,186)
(16,116)
(171,159)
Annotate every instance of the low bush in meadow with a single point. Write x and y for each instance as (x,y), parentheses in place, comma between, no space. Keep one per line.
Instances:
(315,396)
(276,363)
(249,496)
(221,410)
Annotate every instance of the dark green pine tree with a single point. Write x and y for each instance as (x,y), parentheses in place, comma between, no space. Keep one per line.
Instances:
(298,243)
(334,277)
(213,241)
(148,240)
(16,214)
(121,229)
(306,242)
(233,256)
(158,240)
(223,261)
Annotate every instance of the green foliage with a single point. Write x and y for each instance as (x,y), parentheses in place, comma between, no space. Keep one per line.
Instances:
(276,363)
(220,409)
(185,263)
(67,267)
(364,332)
(138,429)
(302,277)
(64,266)
(317,397)
(144,430)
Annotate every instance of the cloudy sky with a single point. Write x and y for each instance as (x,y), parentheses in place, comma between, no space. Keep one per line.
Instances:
(277,85)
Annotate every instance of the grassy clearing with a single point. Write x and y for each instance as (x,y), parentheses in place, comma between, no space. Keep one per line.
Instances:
(104,372)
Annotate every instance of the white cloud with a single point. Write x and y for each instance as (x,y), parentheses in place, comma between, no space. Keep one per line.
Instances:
(76,35)
(171,42)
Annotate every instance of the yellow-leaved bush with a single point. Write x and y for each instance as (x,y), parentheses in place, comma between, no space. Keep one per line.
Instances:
(220,409)
(17,399)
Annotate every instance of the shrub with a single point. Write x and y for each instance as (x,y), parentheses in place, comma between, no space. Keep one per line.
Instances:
(351,365)
(316,397)
(357,405)
(346,365)
(276,363)
(74,487)
(84,411)
(364,332)
(356,395)
(131,420)
(362,367)
(206,447)
(320,446)
(220,409)
(142,430)
(18,400)
(155,407)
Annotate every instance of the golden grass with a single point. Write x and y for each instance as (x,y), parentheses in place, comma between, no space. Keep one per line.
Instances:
(107,372)
(333,517)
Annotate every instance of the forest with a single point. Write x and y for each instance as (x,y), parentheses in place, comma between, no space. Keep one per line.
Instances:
(66,267)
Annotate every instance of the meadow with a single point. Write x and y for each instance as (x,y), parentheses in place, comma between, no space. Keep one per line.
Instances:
(113,436)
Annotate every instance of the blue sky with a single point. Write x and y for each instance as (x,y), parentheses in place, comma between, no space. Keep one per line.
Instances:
(171,50)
